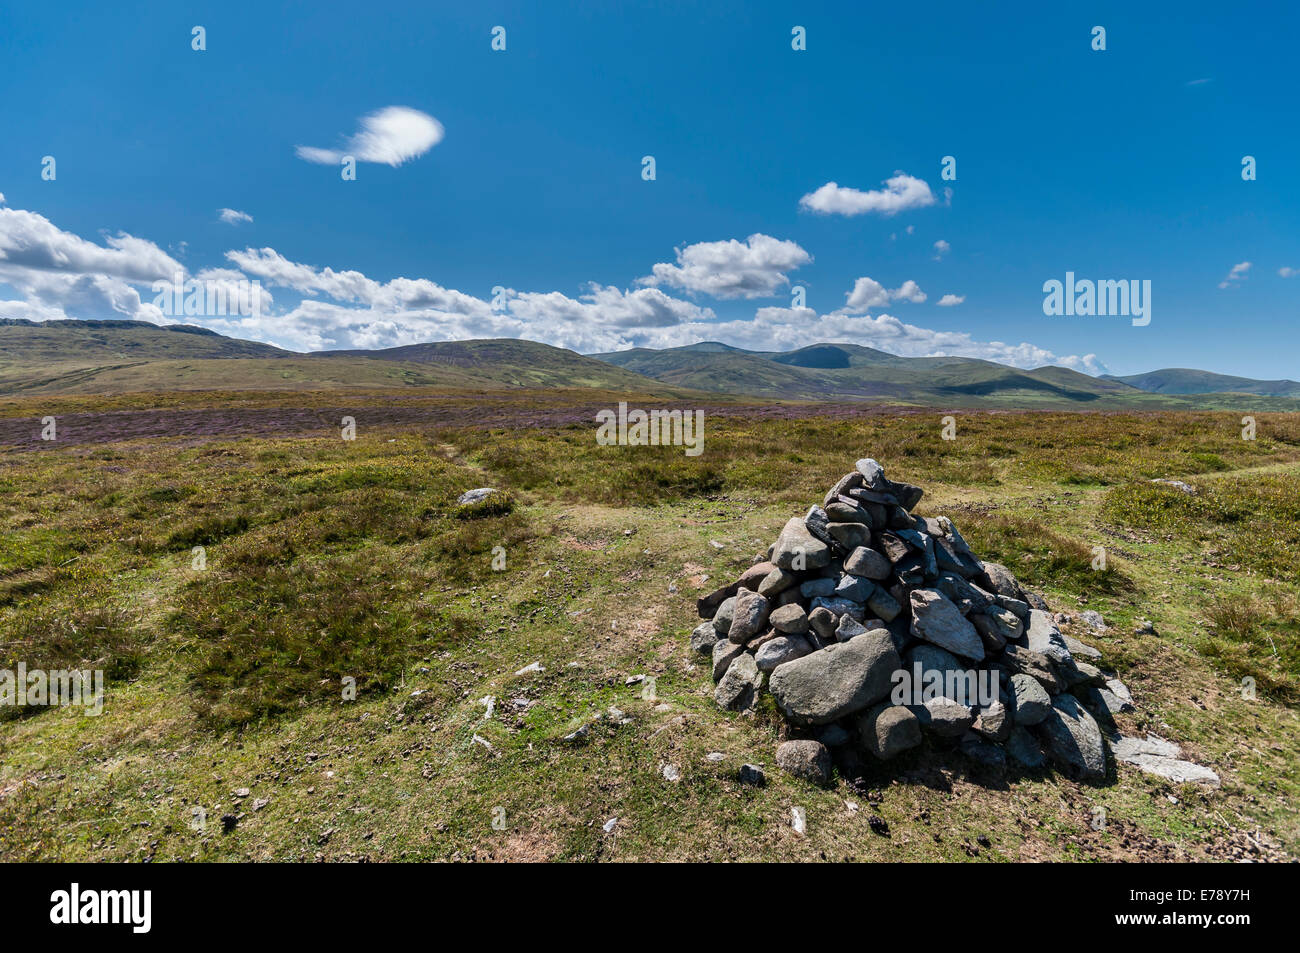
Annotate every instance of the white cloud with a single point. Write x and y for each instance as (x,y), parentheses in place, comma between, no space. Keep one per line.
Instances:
(31,242)
(61,275)
(941,248)
(754,268)
(1288,272)
(949,300)
(2,198)
(868,293)
(1235,275)
(233,216)
(901,192)
(391,136)
(909,291)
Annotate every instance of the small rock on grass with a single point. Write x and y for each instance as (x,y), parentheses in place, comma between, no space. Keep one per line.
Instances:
(805,759)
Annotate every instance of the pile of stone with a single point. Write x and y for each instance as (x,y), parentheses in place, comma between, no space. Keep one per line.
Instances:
(873,629)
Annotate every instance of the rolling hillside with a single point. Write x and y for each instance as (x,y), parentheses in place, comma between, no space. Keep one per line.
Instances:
(109,357)
(1183,380)
(88,343)
(824,371)
(113,357)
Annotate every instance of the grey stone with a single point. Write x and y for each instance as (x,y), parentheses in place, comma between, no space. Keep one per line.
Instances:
(754,575)
(954,558)
(1081,649)
(796,548)
(848,628)
(776,582)
(782,649)
(1085,674)
(1008,623)
(847,510)
(989,631)
(935,619)
(907,494)
(889,730)
(805,759)
(854,588)
(1018,607)
(1163,758)
(931,658)
(1015,658)
(850,481)
(965,595)
(740,684)
(817,587)
(834,735)
(704,638)
(790,619)
(985,754)
(840,607)
(868,563)
(894,549)
(1024,749)
(1072,739)
(1121,692)
(815,521)
(822,623)
(993,721)
(850,535)
(842,678)
(748,616)
(944,717)
(1031,701)
(475,496)
(722,618)
(1042,636)
(724,653)
(1093,620)
(873,474)
(1003,582)
(751,774)
(883,605)
(790,596)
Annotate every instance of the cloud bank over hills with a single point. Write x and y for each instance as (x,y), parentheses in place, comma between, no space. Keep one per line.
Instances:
(58,274)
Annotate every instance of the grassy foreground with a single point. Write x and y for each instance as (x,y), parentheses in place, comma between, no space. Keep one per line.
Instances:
(234,589)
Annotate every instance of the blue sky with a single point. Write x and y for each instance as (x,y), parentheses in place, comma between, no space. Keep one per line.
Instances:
(1121,164)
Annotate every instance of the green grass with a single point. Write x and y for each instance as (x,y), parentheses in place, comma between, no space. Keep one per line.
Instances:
(329,561)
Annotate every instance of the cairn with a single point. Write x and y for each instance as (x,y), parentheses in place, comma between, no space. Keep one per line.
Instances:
(873,628)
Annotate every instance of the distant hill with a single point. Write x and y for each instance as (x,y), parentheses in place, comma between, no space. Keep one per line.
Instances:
(107,357)
(508,362)
(1183,380)
(848,371)
(89,342)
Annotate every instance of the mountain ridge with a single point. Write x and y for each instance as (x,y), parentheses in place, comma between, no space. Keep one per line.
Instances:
(112,356)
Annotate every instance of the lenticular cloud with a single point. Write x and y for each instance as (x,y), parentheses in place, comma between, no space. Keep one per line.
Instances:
(391,136)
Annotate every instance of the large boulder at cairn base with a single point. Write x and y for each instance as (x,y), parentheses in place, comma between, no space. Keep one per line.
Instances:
(937,620)
(843,678)
(1072,740)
